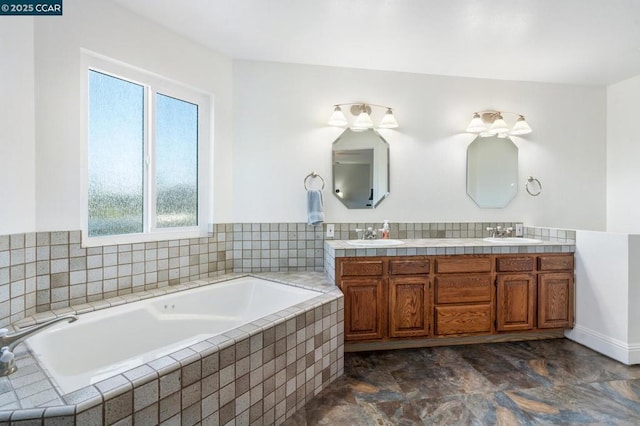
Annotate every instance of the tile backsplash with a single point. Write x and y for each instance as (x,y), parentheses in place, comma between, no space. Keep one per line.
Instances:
(51,270)
(347,231)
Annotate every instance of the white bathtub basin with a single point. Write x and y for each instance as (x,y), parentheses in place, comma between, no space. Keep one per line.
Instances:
(375,243)
(512,240)
(110,341)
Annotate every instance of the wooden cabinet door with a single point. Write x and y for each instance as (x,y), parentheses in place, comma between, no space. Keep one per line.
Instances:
(364,311)
(555,300)
(515,302)
(409,306)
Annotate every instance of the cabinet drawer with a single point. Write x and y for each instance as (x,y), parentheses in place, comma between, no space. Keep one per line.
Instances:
(463,264)
(463,288)
(514,264)
(408,267)
(463,319)
(555,263)
(361,268)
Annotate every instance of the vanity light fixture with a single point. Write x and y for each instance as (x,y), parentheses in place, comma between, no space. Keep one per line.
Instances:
(338,118)
(521,127)
(490,123)
(363,121)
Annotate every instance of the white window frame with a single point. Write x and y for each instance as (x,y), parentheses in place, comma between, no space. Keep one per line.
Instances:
(152,84)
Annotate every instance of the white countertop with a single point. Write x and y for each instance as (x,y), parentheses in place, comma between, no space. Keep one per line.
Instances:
(446,242)
(444,246)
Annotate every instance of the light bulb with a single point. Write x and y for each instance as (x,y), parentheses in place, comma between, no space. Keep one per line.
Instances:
(521,127)
(476,125)
(499,126)
(363,121)
(388,121)
(338,118)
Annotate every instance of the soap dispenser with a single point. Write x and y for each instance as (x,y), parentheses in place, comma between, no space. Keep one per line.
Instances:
(385,230)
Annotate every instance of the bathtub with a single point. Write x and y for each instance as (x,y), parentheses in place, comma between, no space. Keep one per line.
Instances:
(105,343)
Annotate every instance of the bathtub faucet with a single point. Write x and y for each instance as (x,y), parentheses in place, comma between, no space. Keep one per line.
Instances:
(8,342)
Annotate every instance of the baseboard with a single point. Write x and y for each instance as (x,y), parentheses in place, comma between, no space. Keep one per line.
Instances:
(449,341)
(613,348)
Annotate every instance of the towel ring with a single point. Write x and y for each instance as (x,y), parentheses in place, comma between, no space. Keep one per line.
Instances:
(312,175)
(535,192)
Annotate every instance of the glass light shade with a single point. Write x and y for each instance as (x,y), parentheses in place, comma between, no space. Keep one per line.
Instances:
(499,126)
(521,127)
(363,122)
(338,118)
(388,121)
(476,125)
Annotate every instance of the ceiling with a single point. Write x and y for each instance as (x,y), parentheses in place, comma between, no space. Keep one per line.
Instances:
(592,42)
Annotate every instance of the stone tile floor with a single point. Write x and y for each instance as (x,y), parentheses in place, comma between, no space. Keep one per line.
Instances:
(537,382)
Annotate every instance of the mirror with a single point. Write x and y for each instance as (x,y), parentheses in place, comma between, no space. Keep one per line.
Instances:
(492,171)
(360,169)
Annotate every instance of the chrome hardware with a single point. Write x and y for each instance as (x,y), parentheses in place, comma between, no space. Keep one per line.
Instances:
(8,342)
(499,231)
(7,363)
(312,175)
(533,186)
(368,234)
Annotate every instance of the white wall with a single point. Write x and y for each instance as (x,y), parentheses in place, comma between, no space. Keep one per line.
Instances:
(280,114)
(607,294)
(17,135)
(279,120)
(634,294)
(105,28)
(623,156)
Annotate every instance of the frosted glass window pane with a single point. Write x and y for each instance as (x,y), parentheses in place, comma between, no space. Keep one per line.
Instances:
(116,144)
(176,162)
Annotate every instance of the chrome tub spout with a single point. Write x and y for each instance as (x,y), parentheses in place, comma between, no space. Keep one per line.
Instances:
(8,342)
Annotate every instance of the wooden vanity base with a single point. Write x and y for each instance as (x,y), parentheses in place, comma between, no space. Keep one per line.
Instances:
(450,341)
(421,301)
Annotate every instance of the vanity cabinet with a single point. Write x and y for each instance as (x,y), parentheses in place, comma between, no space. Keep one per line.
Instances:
(363,309)
(364,294)
(534,292)
(385,297)
(395,299)
(409,297)
(408,306)
(463,295)
(555,291)
(516,306)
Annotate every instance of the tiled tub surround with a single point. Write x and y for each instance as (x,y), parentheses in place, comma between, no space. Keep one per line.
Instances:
(50,270)
(47,271)
(260,373)
(168,324)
